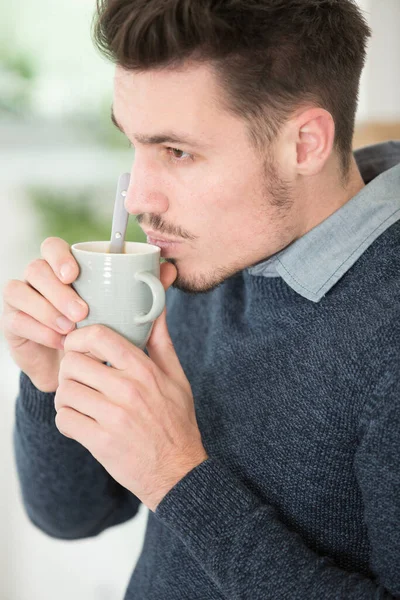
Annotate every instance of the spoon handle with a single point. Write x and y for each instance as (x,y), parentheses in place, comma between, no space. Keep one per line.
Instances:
(120,216)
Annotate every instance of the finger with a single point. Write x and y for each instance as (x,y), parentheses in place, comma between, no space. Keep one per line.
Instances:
(108,346)
(168,273)
(78,427)
(162,351)
(20,296)
(40,276)
(159,346)
(17,323)
(84,400)
(80,367)
(86,371)
(57,253)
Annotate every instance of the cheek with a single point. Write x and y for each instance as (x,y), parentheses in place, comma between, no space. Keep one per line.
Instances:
(222,205)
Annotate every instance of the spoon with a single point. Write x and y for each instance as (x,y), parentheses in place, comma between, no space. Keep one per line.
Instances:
(120,220)
(120,216)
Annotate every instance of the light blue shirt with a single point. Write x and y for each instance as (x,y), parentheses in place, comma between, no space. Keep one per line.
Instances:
(314,263)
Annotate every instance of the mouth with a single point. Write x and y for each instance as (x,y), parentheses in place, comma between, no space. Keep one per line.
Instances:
(162,243)
(153,235)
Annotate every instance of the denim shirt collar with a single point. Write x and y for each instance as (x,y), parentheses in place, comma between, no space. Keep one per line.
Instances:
(314,263)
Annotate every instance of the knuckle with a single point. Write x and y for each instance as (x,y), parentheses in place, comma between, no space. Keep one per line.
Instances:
(60,415)
(64,390)
(127,389)
(118,417)
(73,358)
(98,331)
(68,361)
(57,404)
(126,356)
(47,242)
(57,420)
(15,320)
(10,288)
(61,370)
(62,418)
(57,400)
(34,267)
(148,374)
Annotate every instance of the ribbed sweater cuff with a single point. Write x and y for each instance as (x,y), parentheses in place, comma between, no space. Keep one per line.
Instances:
(35,404)
(205,503)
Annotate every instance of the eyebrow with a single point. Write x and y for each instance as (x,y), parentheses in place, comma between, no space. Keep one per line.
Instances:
(161,138)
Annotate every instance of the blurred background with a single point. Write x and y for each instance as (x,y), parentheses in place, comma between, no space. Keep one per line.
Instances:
(60,158)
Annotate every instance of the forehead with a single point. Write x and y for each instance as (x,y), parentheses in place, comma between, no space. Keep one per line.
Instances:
(194,83)
(187,99)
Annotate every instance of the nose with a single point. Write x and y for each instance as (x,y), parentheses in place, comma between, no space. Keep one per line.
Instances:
(145,193)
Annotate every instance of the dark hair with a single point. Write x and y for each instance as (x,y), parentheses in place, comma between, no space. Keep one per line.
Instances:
(270,57)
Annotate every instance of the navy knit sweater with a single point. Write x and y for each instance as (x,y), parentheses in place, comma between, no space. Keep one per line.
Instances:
(298,403)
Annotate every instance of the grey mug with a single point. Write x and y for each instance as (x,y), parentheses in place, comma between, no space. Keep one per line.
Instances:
(123,291)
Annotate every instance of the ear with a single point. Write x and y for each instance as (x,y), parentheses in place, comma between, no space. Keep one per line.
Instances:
(315,138)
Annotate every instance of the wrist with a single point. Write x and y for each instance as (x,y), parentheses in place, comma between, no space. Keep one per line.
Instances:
(181,469)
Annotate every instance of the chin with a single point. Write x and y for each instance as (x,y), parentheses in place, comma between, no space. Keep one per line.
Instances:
(195,282)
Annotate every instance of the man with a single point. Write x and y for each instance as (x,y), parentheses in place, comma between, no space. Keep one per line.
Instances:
(276,372)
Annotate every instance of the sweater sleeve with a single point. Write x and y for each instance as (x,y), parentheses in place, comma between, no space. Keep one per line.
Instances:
(249,553)
(65,491)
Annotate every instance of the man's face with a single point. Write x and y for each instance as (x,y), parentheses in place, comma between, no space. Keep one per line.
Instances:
(217,197)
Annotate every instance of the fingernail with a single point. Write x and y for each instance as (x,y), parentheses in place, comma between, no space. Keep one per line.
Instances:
(66,271)
(64,323)
(76,309)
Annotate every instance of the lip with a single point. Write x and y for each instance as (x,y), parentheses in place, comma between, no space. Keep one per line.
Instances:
(153,235)
(162,243)
(167,248)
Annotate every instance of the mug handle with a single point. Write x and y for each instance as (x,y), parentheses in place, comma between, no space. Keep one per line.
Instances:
(158,292)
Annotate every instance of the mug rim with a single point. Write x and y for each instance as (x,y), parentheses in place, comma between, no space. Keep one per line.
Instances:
(150,248)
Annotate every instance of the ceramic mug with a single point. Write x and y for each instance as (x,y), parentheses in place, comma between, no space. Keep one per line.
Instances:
(123,291)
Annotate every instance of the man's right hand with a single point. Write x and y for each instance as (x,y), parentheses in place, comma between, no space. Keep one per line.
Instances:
(32,310)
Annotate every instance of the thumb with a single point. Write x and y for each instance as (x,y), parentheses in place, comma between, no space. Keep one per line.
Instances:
(159,346)
(168,273)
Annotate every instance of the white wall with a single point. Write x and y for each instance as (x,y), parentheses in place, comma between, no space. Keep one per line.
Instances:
(380,83)
(383,84)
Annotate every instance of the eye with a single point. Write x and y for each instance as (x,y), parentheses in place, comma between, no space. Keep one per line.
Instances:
(181,159)
(173,158)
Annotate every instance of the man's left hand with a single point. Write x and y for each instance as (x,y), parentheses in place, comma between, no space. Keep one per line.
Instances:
(137,417)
